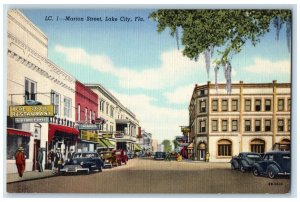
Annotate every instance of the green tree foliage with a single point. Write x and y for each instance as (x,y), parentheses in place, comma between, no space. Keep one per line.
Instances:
(225,31)
(167,145)
(175,143)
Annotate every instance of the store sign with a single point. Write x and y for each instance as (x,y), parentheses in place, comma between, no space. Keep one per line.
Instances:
(32,120)
(119,135)
(107,135)
(31,111)
(88,127)
(185,130)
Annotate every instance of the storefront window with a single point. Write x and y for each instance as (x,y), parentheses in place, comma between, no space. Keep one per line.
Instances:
(224,148)
(13,143)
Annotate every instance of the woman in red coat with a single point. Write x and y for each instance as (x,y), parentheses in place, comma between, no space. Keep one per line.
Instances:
(20,161)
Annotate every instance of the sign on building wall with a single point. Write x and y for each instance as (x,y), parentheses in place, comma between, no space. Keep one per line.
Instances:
(88,127)
(31,111)
(119,135)
(32,120)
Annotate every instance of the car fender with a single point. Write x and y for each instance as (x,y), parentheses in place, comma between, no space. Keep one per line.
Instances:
(274,168)
(245,163)
(258,167)
(235,163)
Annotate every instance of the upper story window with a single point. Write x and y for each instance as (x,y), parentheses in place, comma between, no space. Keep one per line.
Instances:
(280,104)
(214,125)
(86,115)
(78,113)
(234,125)
(55,100)
(94,116)
(280,125)
(67,107)
(289,105)
(107,106)
(234,105)
(289,124)
(224,125)
(202,126)
(111,111)
(267,125)
(248,125)
(257,125)
(247,105)
(202,106)
(90,120)
(224,105)
(30,89)
(267,105)
(215,105)
(258,105)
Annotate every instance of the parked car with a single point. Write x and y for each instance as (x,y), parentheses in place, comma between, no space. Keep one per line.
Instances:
(160,156)
(83,161)
(121,157)
(130,154)
(274,163)
(108,159)
(245,161)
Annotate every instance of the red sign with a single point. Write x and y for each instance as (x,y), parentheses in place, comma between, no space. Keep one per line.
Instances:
(119,135)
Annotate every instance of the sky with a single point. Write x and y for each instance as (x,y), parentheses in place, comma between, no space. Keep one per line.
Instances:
(143,68)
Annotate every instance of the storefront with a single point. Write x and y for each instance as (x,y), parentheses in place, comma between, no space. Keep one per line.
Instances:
(15,139)
(88,142)
(190,150)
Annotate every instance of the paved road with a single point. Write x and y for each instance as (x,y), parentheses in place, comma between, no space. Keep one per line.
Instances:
(149,176)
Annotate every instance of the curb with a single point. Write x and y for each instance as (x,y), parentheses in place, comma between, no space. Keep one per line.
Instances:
(30,179)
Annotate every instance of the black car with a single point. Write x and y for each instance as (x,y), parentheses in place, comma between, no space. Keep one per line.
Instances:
(245,161)
(160,156)
(83,161)
(273,164)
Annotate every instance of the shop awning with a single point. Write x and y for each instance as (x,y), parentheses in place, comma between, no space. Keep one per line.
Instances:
(62,129)
(191,146)
(137,147)
(101,144)
(107,143)
(11,131)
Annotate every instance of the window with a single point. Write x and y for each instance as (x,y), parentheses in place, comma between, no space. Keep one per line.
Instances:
(55,100)
(267,125)
(224,125)
(248,105)
(258,105)
(202,126)
(107,105)
(234,125)
(224,148)
(289,124)
(257,125)
(100,105)
(85,115)
(214,125)
(289,104)
(215,105)
(280,104)
(94,116)
(234,105)
(30,90)
(14,142)
(202,92)
(67,107)
(267,105)
(78,113)
(90,120)
(257,145)
(111,111)
(280,125)
(247,125)
(202,106)
(224,105)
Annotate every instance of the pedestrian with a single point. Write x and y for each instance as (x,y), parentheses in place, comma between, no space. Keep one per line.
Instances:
(20,161)
(40,159)
(58,160)
(71,155)
(51,156)
(207,157)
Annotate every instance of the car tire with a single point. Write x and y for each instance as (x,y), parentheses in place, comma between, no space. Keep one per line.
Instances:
(232,166)
(242,169)
(255,172)
(271,174)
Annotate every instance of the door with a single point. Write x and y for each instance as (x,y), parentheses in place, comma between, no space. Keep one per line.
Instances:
(202,155)
(36,146)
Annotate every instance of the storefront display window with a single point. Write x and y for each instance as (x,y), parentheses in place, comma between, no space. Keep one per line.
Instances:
(13,143)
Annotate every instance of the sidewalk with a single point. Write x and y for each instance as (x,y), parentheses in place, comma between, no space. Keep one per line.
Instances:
(31,175)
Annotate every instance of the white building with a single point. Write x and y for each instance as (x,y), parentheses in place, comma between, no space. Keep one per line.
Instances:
(254,117)
(32,76)
(145,141)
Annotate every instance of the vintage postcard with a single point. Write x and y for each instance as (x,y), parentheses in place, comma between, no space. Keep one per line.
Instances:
(148,101)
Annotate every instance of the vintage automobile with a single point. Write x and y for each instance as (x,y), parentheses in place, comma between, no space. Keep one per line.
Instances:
(130,154)
(83,162)
(160,156)
(121,157)
(245,161)
(274,163)
(108,159)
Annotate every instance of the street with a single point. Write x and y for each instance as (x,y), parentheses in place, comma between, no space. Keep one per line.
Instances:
(149,176)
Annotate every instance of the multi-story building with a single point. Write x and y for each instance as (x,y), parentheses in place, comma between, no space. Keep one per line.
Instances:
(254,117)
(154,145)
(145,141)
(33,78)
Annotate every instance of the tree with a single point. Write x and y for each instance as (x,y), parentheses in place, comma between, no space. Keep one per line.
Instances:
(167,145)
(175,143)
(220,34)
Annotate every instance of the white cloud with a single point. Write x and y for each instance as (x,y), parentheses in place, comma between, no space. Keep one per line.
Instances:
(162,122)
(174,67)
(265,66)
(181,95)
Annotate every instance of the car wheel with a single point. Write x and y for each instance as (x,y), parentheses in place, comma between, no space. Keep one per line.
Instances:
(100,169)
(255,172)
(271,174)
(242,169)
(87,172)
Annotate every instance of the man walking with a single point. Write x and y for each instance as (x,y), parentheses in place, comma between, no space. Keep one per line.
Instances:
(20,161)
(40,159)
(58,160)
(51,156)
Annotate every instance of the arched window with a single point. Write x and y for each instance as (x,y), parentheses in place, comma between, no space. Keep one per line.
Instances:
(224,148)
(257,145)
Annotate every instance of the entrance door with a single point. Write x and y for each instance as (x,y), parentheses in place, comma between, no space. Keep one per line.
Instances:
(36,146)
(202,155)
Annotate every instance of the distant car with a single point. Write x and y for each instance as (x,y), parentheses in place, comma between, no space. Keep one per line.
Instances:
(108,159)
(83,161)
(130,154)
(121,156)
(273,164)
(245,161)
(160,156)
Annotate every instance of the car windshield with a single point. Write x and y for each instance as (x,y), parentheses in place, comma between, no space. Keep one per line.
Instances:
(85,155)
(118,153)
(254,156)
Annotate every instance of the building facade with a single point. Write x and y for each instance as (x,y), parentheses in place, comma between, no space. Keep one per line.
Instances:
(254,117)
(32,77)
(145,141)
